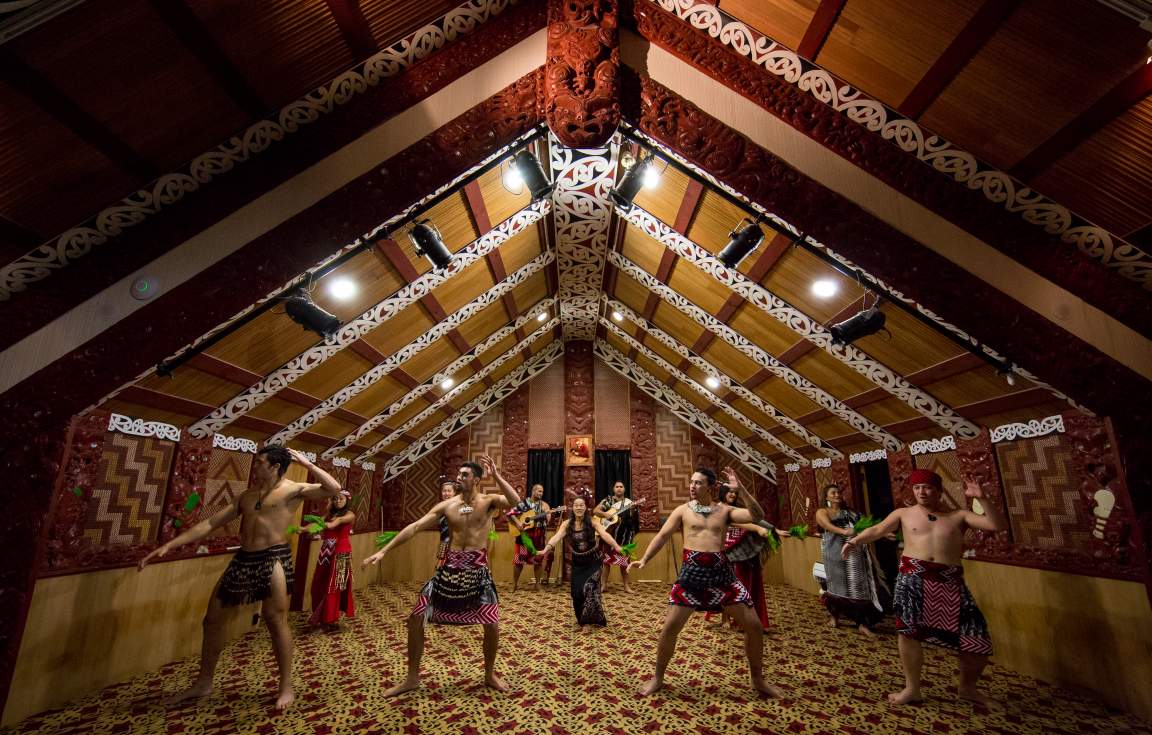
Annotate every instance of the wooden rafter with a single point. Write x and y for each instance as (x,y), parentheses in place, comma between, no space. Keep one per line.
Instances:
(354,28)
(820,27)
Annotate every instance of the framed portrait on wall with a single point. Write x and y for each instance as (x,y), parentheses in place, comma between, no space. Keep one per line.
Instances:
(578,450)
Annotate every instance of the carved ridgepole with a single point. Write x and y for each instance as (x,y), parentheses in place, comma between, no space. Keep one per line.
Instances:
(582,73)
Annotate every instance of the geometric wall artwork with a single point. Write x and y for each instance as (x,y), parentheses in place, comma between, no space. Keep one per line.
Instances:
(799,505)
(673,459)
(420,489)
(227,480)
(360,485)
(127,499)
(1044,506)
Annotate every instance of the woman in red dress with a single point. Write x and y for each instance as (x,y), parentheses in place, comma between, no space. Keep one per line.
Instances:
(332,582)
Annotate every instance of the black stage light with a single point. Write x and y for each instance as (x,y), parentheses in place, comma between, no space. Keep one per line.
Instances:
(630,185)
(303,311)
(429,243)
(532,173)
(869,321)
(744,240)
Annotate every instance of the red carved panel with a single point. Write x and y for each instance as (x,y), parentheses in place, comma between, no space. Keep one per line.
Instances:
(455,452)
(812,498)
(392,504)
(579,403)
(900,466)
(644,480)
(582,72)
(189,475)
(965,207)
(977,461)
(515,459)
(65,526)
(842,476)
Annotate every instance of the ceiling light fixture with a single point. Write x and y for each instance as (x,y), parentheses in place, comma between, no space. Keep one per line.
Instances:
(530,171)
(617,316)
(303,311)
(869,321)
(824,288)
(430,243)
(513,181)
(447,383)
(651,176)
(712,382)
(342,289)
(542,316)
(744,240)
(631,183)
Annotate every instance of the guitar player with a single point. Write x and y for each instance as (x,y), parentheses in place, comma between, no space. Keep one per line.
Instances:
(619,517)
(530,517)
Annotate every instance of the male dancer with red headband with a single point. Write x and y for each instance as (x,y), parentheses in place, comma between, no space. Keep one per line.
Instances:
(931,602)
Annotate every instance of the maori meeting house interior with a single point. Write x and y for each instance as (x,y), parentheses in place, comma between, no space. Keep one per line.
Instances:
(820,242)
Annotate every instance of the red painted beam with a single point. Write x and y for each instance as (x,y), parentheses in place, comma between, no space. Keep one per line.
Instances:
(980,27)
(37,88)
(224,370)
(688,205)
(476,206)
(1116,102)
(354,28)
(820,28)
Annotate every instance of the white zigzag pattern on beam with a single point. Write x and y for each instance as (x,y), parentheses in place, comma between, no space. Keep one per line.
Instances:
(302,364)
(755,353)
(674,344)
(489,342)
(704,392)
(684,410)
(997,187)
(455,319)
(473,410)
(802,324)
(445,399)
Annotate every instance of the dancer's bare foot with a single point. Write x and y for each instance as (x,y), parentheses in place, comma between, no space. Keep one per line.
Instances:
(866,631)
(495,682)
(585,628)
(761,685)
(975,696)
(628,590)
(907,695)
(405,686)
(651,686)
(833,623)
(285,700)
(196,691)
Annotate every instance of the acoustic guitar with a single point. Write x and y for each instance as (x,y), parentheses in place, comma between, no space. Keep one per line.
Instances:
(614,515)
(527,519)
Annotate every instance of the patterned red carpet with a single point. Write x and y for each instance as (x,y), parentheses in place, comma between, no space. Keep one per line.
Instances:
(570,683)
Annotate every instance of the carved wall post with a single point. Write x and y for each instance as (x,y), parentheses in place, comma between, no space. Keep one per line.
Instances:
(644,483)
(579,387)
(978,462)
(582,72)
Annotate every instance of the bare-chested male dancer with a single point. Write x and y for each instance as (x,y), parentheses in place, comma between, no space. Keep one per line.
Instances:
(262,569)
(931,602)
(461,591)
(706,581)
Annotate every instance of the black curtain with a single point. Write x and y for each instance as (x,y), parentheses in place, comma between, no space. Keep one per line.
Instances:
(613,465)
(879,490)
(546,467)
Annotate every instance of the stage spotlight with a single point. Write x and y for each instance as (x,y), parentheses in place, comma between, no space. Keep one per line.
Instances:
(301,310)
(631,183)
(869,321)
(532,173)
(430,243)
(744,240)
(651,176)
(342,289)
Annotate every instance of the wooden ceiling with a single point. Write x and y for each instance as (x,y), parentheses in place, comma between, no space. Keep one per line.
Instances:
(104,97)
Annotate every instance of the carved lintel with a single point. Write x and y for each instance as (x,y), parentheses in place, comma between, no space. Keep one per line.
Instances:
(582,72)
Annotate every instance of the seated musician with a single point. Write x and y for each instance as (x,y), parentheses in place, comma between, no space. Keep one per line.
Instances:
(530,518)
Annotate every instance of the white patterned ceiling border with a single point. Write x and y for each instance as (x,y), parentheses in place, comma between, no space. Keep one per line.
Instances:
(998,187)
(821,463)
(413,348)
(582,214)
(1030,430)
(139,427)
(234,443)
(755,353)
(409,294)
(368,466)
(869,456)
(446,372)
(889,292)
(759,403)
(792,467)
(704,393)
(310,456)
(344,462)
(476,408)
(684,410)
(446,399)
(170,189)
(808,328)
(931,446)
